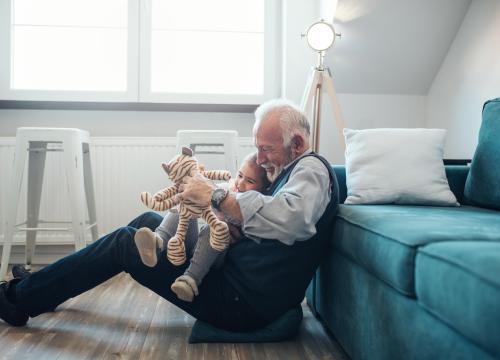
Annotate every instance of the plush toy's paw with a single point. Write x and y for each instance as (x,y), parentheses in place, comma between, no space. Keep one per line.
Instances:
(147,199)
(219,238)
(185,288)
(145,240)
(176,252)
(157,197)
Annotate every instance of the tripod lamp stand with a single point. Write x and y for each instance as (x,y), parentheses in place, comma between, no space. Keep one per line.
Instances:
(320,37)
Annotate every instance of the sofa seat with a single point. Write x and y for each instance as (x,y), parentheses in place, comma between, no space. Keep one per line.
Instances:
(384,239)
(459,283)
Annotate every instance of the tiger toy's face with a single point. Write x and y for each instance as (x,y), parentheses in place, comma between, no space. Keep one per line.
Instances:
(181,166)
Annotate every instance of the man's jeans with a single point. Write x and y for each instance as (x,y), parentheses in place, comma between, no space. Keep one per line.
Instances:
(218,303)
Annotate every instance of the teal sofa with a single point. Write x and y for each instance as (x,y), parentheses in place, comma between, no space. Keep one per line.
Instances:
(419,282)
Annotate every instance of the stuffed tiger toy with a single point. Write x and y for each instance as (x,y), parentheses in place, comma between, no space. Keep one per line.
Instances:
(177,169)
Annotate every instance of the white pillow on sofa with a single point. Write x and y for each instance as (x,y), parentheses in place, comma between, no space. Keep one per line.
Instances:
(397,166)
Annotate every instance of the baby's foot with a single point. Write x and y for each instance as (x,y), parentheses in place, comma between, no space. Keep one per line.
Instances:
(185,288)
(145,240)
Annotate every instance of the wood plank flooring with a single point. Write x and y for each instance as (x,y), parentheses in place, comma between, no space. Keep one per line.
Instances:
(122,320)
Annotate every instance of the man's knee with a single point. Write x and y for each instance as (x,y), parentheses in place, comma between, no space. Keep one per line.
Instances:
(125,236)
(149,219)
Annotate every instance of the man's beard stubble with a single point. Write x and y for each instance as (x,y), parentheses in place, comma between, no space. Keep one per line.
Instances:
(278,169)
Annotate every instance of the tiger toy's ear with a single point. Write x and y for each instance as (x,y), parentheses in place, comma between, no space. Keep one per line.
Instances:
(187,151)
(165,167)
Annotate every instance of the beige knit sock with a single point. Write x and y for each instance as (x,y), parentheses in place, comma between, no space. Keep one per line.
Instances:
(147,243)
(185,288)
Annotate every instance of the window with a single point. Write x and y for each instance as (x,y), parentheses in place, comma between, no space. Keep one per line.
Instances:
(190,51)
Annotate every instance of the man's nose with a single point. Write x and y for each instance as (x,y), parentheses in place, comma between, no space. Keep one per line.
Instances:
(260,158)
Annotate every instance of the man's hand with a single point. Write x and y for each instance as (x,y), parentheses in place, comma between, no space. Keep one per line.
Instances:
(197,189)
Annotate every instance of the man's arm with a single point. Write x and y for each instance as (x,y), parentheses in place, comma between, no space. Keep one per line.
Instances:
(292,213)
(199,190)
(288,216)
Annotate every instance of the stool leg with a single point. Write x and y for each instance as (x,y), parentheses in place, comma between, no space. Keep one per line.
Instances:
(89,190)
(36,165)
(73,158)
(12,203)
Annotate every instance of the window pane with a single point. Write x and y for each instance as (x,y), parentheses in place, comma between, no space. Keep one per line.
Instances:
(212,47)
(225,15)
(55,58)
(207,62)
(76,45)
(108,13)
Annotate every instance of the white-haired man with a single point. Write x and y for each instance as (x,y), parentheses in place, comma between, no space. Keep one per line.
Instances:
(285,233)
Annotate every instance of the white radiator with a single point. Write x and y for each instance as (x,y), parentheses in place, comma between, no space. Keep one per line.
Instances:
(122,168)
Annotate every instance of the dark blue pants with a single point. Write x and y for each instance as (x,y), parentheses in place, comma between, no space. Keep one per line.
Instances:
(218,303)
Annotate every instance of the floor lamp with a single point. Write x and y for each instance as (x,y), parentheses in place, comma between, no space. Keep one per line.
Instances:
(320,37)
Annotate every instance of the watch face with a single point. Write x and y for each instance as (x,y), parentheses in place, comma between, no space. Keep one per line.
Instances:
(217,196)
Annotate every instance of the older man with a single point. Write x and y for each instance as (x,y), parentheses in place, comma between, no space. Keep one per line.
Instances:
(285,232)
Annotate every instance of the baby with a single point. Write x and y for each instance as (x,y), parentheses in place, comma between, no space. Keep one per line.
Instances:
(251,176)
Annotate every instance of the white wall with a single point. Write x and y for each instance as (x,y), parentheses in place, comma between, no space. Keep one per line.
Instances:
(363,111)
(125,123)
(469,75)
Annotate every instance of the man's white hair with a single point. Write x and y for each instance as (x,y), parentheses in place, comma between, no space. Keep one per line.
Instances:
(292,119)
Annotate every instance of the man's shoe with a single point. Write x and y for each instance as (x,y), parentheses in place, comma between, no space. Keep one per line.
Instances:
(8,311)
(19,272)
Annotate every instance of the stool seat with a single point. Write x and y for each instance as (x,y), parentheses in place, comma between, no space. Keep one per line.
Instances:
(212,142)
(37,142)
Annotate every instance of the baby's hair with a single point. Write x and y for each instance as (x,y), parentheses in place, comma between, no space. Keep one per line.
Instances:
(252,158)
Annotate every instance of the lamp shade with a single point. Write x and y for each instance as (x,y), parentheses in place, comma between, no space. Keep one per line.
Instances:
(320,36)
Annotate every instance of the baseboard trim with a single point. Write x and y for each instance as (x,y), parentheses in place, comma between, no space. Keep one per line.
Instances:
(46,254)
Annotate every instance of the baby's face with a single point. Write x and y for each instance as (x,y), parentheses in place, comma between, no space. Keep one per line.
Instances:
(248,178)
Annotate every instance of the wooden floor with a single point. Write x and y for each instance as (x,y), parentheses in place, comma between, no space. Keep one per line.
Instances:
(122,320)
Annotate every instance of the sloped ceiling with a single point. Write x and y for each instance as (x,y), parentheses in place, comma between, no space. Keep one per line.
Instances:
(392,46)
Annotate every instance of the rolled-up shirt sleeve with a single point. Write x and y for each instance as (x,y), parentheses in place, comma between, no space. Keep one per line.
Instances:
(292,213)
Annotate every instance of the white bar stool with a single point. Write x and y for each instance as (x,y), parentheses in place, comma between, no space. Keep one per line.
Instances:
(212,142)
(74,143)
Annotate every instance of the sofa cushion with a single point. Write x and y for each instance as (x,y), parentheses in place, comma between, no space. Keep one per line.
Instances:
(384,238)
(456,175)
(483,183)
(459,283)
(384,166)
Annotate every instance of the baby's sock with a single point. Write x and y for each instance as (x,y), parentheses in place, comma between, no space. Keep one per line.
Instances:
(185,288)
(147,243)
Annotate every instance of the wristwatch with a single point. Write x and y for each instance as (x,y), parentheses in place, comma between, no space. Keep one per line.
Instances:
(218,196)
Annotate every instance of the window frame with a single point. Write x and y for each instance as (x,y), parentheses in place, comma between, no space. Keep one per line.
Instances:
(138,65)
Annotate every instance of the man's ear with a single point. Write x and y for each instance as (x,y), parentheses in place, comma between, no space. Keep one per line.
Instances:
(297,144)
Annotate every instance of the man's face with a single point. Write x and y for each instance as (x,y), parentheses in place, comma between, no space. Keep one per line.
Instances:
(271,154)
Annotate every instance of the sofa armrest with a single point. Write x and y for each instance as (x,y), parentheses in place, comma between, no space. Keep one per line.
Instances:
(340,173)
(456,174)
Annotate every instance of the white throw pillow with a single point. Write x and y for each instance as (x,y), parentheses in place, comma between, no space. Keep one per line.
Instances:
(397,166)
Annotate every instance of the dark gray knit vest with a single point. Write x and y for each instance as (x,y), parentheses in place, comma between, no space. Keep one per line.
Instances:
(272,277)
